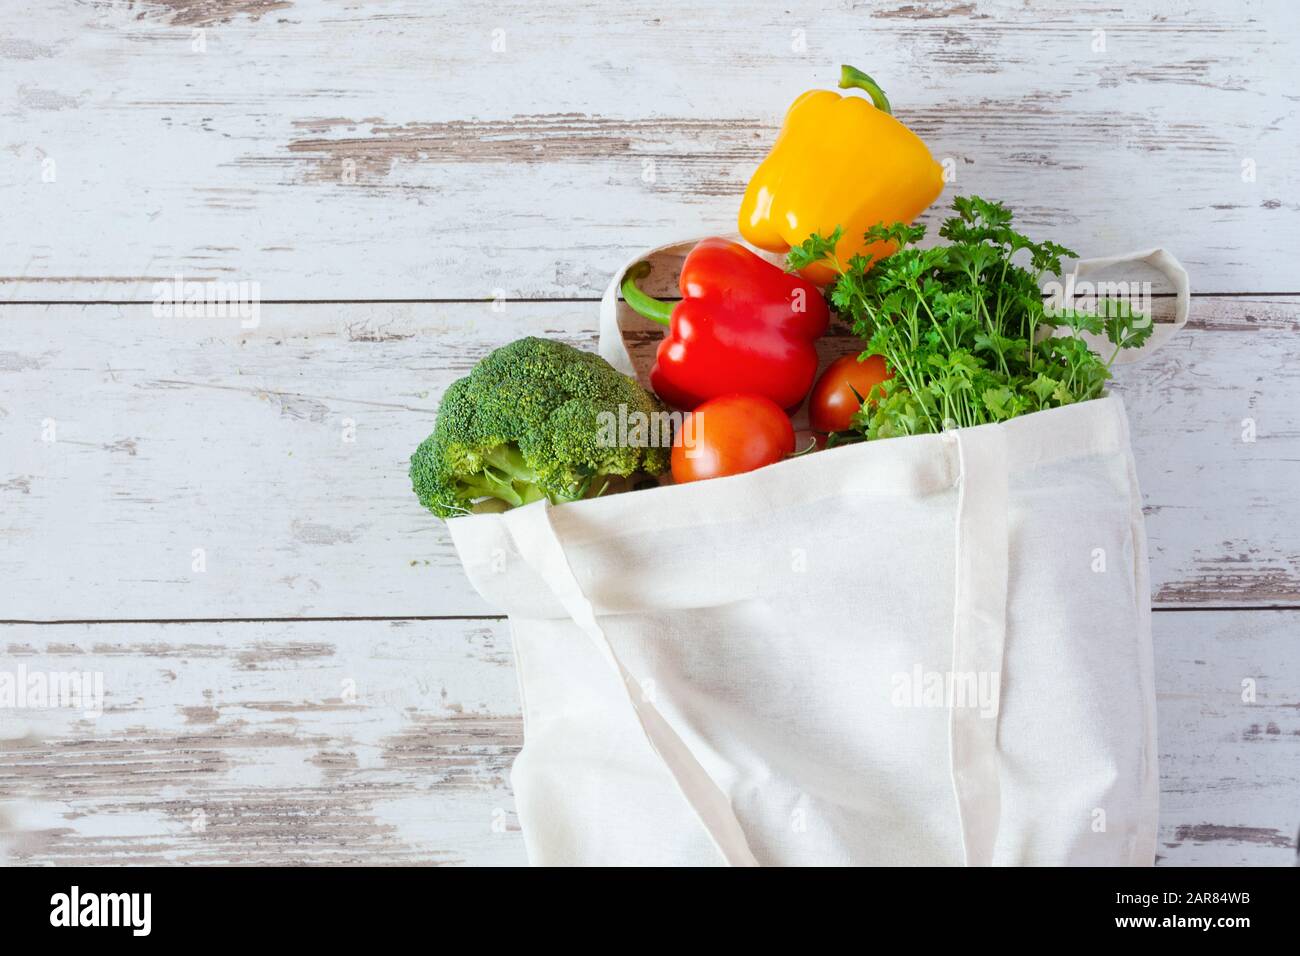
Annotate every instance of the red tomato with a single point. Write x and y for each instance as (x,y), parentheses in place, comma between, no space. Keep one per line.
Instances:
(729,435)
(832,404)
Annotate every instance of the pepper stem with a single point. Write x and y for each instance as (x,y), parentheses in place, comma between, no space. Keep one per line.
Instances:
(851,77)
(648,306)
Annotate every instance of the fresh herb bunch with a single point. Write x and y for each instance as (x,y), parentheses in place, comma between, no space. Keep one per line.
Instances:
(963,328)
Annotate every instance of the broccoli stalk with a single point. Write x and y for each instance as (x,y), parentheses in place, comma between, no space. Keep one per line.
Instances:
(505,476)
(526,424)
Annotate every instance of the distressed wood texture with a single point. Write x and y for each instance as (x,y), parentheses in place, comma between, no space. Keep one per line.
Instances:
(1229,768)
(266,743)
(180,497)
(186,434)
(398,148)
(390,742)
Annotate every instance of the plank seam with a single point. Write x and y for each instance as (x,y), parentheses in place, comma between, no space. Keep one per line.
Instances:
(531,301)
(1218,608)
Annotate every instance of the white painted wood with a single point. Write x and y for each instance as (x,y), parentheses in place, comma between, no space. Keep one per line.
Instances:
(265,743)
(186,434)
(1229,765)
(397,148)
(241,743)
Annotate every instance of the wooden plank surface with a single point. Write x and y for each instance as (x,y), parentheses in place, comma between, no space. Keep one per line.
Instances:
(198,494)
(390,742)
(179,436)
(266,743)
(1228,711)
(397,148)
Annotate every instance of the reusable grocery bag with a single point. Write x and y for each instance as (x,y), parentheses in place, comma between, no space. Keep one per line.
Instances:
(926,650)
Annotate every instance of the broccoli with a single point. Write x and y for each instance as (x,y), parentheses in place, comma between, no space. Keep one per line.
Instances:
(526,424)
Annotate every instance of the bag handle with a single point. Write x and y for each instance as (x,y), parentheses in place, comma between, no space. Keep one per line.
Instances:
(979,632)
(614,350)
(1161,332)
(612,347)
(537,543)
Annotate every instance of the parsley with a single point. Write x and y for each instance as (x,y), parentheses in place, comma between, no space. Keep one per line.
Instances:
(963,327)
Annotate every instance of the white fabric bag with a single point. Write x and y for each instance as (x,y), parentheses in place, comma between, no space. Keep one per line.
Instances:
(929,650)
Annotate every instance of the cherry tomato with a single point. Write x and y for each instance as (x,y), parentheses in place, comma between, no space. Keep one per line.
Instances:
(729,435)
(832,404)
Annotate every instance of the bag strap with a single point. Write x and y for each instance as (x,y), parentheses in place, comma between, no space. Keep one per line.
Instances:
(537,543)
(1161,332)
(612,347)
(979,634)
(614,350)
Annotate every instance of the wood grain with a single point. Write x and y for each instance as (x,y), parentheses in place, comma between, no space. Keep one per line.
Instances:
(266,743)
(401,149)
(243,744)
(184,434)
(392,150)
(1229,766)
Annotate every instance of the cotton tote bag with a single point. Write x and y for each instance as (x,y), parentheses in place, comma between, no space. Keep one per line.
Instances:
(930,650)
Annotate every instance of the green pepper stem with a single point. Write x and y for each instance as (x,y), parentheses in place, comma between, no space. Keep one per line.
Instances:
(652,308)
(851,77)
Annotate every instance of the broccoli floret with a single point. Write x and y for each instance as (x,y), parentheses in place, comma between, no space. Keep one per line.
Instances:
(525,425)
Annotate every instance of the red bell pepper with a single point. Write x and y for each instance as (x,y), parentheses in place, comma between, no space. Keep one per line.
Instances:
(743,325)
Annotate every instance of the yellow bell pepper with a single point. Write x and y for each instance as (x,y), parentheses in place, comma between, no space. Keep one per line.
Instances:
(838,161)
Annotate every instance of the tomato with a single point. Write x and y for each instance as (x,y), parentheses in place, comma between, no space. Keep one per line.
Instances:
(729,435)
(832,403)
